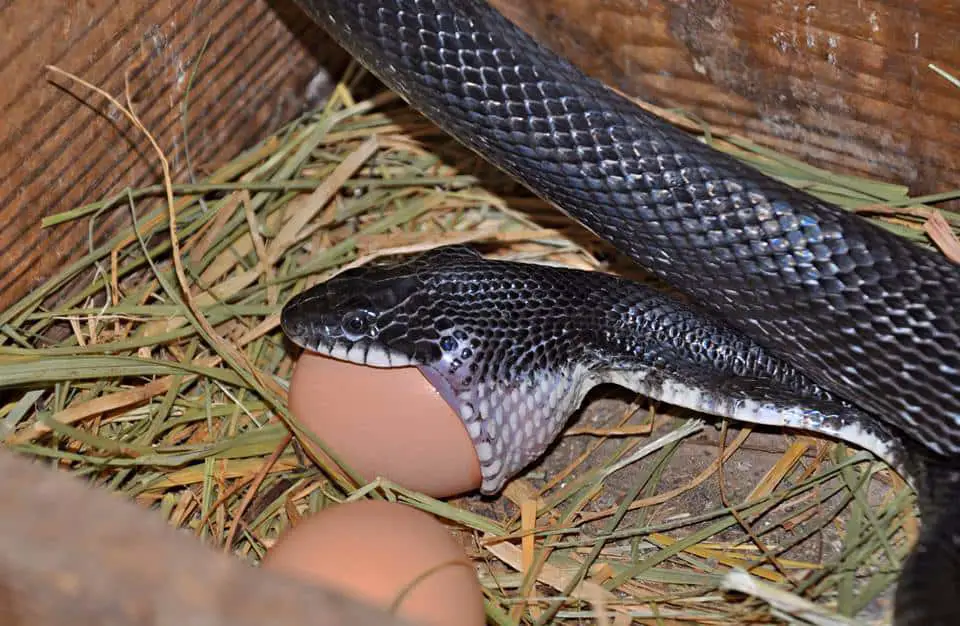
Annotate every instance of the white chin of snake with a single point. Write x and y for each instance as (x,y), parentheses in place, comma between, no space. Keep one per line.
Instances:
(365,354)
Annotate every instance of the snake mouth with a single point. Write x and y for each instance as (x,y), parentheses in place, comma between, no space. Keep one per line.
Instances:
(361,352)
(368,353)
(325,335)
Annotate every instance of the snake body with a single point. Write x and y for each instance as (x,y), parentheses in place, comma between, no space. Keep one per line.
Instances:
(803,309)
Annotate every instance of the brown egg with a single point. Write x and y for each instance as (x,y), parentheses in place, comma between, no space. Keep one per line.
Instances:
(388,555)
(385,422)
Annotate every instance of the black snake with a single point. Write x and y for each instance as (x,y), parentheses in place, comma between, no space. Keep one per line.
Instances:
(807,316)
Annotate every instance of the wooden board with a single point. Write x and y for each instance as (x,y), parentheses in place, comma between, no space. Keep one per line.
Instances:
(842,83)
(61,146)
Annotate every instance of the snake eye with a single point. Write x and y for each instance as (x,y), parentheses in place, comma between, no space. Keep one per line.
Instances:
(356,323)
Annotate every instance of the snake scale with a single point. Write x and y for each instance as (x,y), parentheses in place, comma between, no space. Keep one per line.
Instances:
(803,314)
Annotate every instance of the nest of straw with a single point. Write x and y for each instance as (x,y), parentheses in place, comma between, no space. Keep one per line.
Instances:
(162,374)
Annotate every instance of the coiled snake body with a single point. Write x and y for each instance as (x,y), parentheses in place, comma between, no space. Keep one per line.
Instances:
(807,316)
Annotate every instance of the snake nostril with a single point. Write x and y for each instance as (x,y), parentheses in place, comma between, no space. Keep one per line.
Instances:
(293,324)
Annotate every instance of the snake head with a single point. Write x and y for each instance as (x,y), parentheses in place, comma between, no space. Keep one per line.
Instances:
(373,315)
(352,317)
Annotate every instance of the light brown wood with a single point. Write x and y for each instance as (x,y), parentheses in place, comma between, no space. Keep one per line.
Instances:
(57,148)
(840,83)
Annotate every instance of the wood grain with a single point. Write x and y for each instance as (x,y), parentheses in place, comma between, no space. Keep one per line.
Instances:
(841,83)
(61,146)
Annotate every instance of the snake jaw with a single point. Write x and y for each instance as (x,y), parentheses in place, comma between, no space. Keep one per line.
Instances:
(512,421)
